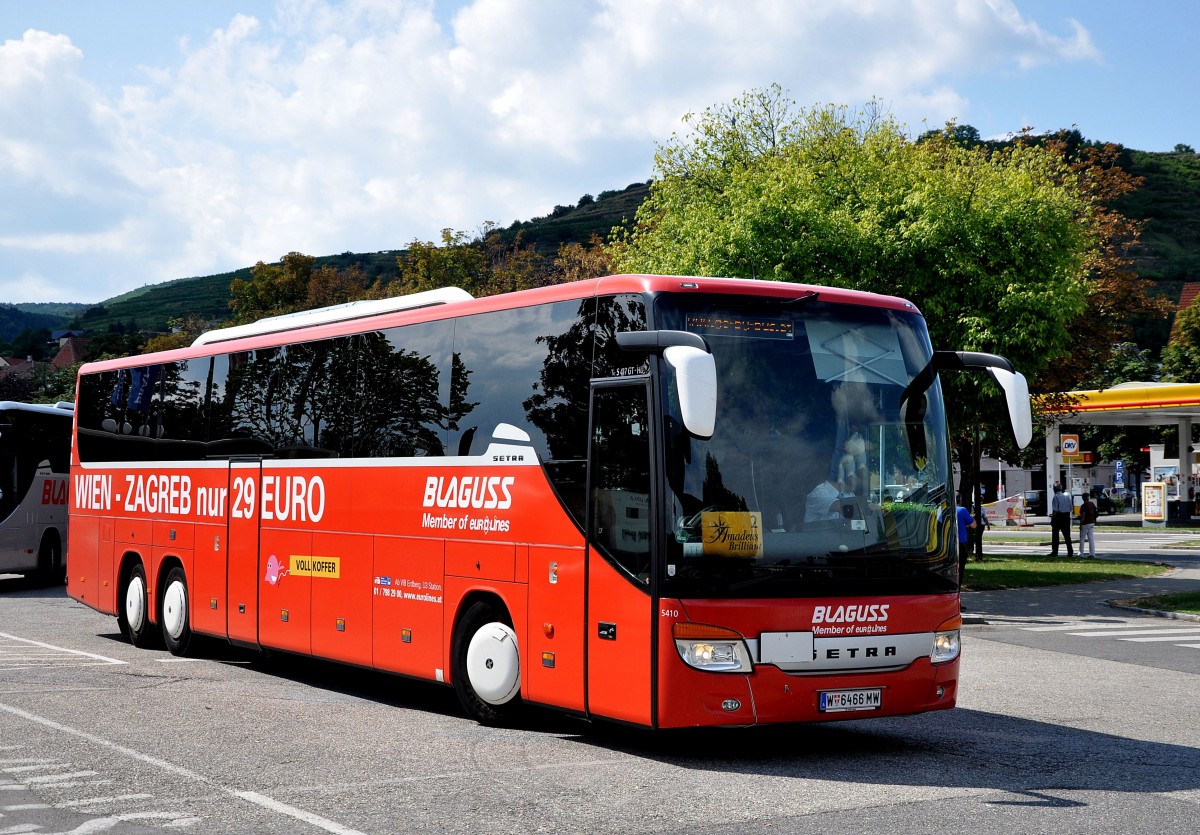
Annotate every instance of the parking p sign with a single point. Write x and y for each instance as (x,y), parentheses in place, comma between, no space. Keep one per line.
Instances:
(1069,444)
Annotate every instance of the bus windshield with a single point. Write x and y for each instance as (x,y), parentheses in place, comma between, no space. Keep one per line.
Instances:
(824,475)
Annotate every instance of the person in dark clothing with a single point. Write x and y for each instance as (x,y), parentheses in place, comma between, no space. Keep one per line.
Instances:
(1088,514)
(1060,520)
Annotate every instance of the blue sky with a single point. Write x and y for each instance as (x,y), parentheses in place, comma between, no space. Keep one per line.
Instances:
(144,141)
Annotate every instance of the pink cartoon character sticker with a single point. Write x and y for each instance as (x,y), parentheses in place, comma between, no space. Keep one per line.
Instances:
(275,570)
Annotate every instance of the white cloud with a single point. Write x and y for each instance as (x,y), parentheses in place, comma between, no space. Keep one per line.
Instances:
(360,125)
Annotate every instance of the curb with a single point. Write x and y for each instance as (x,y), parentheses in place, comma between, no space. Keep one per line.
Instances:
(1126,604)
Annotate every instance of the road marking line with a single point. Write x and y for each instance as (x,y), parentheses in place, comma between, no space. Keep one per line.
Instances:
(91,801)
(1188,637)
(308,817)
(16,769)
(248,796)
(1065,627)
(57,778)
(1182,632)
(103,658)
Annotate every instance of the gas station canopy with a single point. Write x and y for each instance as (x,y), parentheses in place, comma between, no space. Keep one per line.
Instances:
(1132,404)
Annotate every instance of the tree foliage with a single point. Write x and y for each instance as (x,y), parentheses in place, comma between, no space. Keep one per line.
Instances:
(483,265)
(1181,357)
(295,283)
(990,245)
(486,264)
(1010,249)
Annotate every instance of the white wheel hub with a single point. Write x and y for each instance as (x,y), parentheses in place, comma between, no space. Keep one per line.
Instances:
(493,665)
(135,604)
(175,609)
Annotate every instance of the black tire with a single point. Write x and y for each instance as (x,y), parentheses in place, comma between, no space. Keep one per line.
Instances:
(133,613)
(496,652)
(174,613)
(51,570)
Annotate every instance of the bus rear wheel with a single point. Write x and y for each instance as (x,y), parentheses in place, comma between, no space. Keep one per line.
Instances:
(133,613)
(51,571)
(487,665)
(173,614)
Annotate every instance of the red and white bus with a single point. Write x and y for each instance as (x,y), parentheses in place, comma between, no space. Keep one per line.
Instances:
(655,500)
(35,455)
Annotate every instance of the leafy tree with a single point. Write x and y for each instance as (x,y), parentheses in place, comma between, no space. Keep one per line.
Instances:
(296,283)
(184,331)
(273,288)
(1181,358)
(1117,297)
(576,262)
(113,344)
(1182,148)
(490,263)
(996,245)
(30,342)
(51,385)
(456,263)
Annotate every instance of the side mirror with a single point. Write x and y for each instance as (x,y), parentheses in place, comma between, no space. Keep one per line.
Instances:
(696,377)
(1016,389)
(1016,392)
(695,373)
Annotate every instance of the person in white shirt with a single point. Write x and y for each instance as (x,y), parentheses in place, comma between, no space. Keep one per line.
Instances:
(1060,520)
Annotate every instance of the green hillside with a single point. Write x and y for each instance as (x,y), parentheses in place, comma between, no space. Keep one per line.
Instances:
(1168,202)
(150,307)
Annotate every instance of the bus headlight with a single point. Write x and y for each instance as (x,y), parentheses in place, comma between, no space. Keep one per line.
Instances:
(945,646)
(714,649)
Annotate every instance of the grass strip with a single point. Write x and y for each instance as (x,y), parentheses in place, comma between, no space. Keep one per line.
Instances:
(1020,571)
(1186,603)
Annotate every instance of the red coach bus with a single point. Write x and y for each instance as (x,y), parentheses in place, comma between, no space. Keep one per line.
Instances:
(661,501)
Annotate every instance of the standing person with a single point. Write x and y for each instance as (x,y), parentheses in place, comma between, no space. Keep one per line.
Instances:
(966,524)
(1060,520)
(1088,513)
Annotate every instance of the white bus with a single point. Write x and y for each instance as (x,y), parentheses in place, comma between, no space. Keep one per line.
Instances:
(35,459)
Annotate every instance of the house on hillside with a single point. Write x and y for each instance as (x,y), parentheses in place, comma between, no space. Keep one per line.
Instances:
(70,351)
(61,337)
(17,375)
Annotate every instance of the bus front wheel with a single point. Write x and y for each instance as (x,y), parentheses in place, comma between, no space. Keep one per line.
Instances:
(133,615)
(487,665)
(173,615)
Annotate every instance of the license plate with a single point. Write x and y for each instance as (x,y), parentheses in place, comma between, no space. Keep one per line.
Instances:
(838,701)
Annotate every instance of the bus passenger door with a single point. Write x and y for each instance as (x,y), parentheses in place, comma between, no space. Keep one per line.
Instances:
(241,550)
(620,615)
